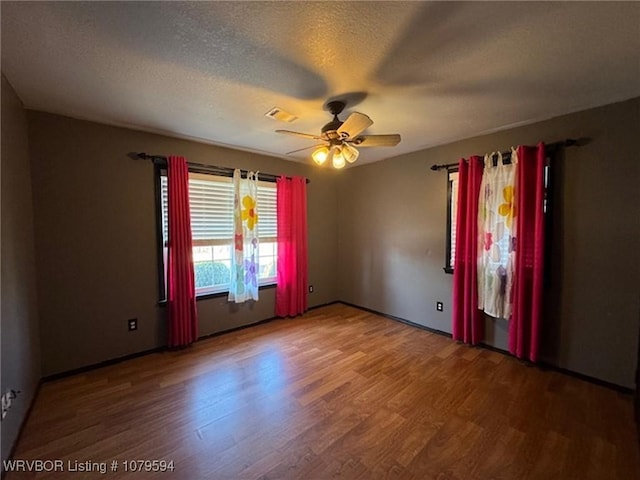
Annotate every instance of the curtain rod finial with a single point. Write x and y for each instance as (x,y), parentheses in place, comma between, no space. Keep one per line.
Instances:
(138,156)
(580,142)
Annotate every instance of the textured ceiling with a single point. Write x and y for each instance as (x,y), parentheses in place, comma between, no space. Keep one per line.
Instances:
(433,72)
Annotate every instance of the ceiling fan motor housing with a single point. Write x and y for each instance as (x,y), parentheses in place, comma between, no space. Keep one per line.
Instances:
(329,130)
(335,108)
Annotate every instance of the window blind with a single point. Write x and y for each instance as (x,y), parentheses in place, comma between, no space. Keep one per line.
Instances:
(453,178)
(267,211)
(211,205)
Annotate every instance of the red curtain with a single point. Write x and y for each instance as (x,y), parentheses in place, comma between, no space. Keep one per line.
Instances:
(524,325)
(468,321)
(181,296)
(291,291)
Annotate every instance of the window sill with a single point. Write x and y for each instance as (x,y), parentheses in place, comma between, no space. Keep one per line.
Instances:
(207,296)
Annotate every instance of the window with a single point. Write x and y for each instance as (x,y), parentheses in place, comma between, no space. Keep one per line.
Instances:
(211,204)
(452,211)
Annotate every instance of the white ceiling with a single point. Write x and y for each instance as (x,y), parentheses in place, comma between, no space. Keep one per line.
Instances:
(433,72)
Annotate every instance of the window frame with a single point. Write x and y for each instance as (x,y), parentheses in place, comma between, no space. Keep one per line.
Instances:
(449,247)
(549,184)
(160,171)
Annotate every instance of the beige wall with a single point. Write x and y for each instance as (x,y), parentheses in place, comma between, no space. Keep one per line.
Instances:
(392,221)
(19,312)
(96,239)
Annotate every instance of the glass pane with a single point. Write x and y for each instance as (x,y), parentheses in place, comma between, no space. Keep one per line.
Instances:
(267,267)
(201,254)
(267,253)
(222,252)
(221,273)
(203,273)
(265,249)
(208,274)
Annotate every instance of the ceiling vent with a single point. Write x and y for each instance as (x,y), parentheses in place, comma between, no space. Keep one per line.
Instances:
(279,114)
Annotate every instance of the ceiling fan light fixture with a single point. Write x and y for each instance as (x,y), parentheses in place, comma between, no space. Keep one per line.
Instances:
(338,161)
(350,153)
(320,155)
(355,124)
(329,158)
(340,139)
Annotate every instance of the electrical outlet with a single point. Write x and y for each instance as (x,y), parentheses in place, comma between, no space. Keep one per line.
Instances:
(6,403)
(7,400)
(133,324)
(439,306)
(310,288)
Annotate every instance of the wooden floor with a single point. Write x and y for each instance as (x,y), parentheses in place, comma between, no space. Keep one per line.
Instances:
(338,393)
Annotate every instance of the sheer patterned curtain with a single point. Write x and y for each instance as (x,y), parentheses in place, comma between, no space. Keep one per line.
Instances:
(468,322)
(244,261)
(496,232)
(291,290)
(181,294)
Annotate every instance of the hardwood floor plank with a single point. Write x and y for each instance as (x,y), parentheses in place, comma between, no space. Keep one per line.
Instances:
(336,393)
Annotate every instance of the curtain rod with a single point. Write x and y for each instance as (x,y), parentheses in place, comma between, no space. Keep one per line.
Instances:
(569,142)
(161,160)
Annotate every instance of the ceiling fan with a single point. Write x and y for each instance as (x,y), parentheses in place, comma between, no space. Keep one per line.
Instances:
(340,139)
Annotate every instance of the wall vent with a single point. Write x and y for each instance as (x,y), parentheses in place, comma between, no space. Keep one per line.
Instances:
(279,114)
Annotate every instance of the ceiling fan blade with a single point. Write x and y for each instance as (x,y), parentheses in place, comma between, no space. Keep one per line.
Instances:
(305,148)
(355,124)
(376,140)
(298,134)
